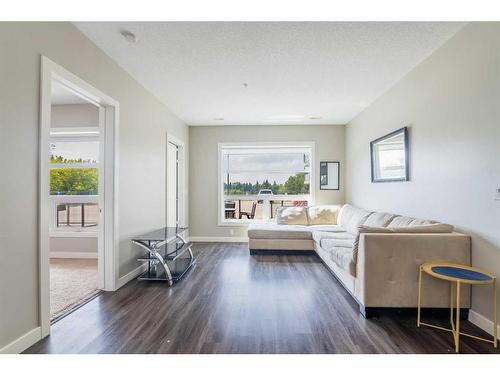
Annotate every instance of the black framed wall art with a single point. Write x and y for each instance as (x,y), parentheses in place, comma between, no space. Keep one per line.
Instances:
(329,175)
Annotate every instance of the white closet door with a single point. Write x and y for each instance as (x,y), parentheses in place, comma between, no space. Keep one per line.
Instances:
(172,185)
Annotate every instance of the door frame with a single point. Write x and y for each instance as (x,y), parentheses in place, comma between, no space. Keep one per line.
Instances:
(181,149)
(109,119)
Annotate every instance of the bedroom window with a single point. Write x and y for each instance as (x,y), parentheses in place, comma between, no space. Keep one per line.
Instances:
(74,179)
(256,179)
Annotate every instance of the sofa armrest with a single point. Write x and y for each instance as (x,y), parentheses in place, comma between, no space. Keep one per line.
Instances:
(388,268)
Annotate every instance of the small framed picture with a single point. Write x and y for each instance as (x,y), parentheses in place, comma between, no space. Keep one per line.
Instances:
(329,175)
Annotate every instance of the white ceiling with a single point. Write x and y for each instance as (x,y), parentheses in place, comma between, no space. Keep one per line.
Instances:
(62,95)
(294,71)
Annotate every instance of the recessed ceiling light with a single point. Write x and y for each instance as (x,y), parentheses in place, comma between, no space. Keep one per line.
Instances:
(219,118)
(129,36)
(315,118)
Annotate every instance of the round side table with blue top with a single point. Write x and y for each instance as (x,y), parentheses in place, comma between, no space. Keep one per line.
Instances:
(457,275)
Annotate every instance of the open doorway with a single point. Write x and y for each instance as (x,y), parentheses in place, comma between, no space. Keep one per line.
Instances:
(78,193)
(76,186)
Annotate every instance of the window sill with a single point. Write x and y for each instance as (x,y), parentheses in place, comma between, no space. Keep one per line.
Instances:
(73,234)
(243,223)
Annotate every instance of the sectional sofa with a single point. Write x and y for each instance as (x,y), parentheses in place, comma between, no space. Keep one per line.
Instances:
(375,255)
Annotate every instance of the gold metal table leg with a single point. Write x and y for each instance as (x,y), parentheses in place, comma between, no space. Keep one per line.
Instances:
(494,312)
(457,333)
(452,297)
(419,295)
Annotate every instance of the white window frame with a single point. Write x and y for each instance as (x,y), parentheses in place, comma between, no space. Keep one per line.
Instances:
(221,220)
(74,134)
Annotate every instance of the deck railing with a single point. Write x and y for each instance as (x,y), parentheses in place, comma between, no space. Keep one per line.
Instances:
(76,212)
(266,205)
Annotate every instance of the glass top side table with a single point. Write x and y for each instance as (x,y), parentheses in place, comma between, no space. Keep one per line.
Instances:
(169,255)
(458,274)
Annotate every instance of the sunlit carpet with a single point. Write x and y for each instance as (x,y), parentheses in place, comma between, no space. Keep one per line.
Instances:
(71,282)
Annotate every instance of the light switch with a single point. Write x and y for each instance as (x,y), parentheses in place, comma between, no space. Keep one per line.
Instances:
(497,194)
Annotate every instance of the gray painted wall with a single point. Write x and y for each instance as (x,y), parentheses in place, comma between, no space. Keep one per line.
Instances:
(203,141)
(451,102)
(144,122)
(72,245)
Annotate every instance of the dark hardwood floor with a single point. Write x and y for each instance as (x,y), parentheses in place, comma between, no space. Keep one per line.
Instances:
(232,302)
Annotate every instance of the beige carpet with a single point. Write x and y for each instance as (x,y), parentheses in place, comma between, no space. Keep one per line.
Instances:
(71,282)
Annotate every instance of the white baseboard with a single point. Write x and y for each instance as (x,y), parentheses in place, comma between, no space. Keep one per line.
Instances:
(131,275)
(218,239)
(73,254)
(482,322)
(22,343)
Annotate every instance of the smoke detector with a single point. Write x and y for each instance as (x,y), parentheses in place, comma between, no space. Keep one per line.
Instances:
(129,36)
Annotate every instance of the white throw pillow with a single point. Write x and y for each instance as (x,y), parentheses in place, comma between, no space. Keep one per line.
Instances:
(291,216)
(323,214)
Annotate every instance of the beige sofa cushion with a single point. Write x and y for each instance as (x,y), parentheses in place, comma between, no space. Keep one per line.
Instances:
(326,228)
(405,221)
(291,216)
(276,231)
(345,239)
(429,228)
(342,249)
(323,214)
(343,257)
(378,219)
(317,235)
(351,217)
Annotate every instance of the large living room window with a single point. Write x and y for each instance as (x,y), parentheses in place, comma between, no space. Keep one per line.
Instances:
(256,179)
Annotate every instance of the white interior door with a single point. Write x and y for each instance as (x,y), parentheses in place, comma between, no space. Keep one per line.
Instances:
(172,184)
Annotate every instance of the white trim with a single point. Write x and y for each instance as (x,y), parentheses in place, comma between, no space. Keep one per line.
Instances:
(75,133)
(73,165)
(131,275)
(75,198)
(45,210)
(111,189)
(220,191)
(22,343)
(182,179)
(268,144)
(50,71)
(238,222)
(72,234)
(280,123)
(101,271)
(72,255)
(218,239)
(245,222)
(482,322)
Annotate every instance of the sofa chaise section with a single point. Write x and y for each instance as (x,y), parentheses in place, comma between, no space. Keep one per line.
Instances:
(281,238)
